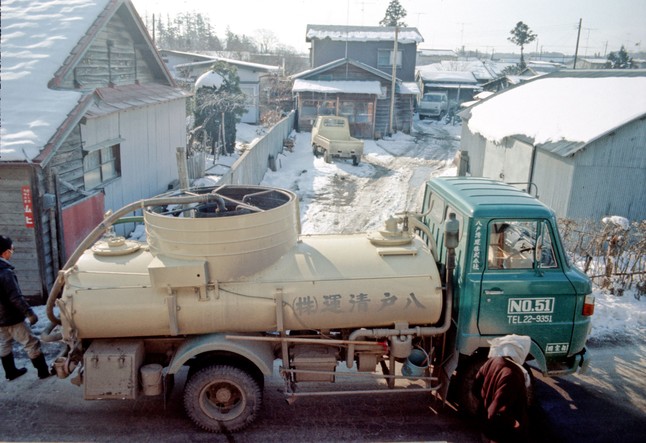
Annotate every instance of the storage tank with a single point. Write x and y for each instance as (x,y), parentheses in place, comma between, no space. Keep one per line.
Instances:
(239,265)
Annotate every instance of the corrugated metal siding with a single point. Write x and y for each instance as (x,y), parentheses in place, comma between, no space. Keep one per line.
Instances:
(475,145)
(607,177)
(553,179)
(610,176)
(148,160)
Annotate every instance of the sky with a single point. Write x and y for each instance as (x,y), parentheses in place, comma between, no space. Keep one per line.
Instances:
(444,24)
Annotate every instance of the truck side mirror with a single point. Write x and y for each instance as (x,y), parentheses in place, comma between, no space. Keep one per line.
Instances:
(451,232)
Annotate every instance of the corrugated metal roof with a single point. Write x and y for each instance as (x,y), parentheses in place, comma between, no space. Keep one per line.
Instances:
(132,96)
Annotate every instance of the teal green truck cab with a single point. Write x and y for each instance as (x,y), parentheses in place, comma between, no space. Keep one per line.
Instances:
(512,275)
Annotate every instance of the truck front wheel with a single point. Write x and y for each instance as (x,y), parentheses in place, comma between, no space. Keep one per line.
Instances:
(468,403)
(222,398)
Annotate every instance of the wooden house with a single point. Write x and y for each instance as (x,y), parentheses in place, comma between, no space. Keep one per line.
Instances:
(574,138)
(91,120)
(352,75)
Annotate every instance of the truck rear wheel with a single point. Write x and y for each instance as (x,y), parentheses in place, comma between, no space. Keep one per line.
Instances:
(355,160)
(222,398)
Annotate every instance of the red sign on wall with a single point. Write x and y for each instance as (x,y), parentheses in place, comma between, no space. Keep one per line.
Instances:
(28,207)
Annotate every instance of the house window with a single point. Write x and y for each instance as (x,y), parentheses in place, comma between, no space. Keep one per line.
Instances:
(101,165)
(385,58)
(356,111)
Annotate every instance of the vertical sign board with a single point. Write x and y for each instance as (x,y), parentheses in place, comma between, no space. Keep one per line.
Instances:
(28,207)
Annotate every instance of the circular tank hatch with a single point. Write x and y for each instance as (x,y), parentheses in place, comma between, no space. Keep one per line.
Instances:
(115,246)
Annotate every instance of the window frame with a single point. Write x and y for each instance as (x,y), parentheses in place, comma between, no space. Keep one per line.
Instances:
(109,159)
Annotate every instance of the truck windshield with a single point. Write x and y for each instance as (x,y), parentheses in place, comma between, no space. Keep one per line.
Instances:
(432,98)
(517,244)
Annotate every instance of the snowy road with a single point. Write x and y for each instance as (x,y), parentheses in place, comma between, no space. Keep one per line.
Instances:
(341,198)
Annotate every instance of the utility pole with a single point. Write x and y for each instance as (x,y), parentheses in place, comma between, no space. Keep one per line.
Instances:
(576,51)
(393,83)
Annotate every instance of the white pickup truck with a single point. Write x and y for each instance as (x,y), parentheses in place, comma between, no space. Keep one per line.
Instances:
(433,105)
(331,138)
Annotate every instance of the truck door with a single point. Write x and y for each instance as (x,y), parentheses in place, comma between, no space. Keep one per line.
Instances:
(524,289)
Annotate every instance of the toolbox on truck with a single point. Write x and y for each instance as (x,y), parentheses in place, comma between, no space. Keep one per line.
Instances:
(112,369)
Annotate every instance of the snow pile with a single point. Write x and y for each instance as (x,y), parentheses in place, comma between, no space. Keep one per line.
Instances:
(617,317)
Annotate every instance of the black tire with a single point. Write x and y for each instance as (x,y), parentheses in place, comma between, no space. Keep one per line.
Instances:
(421,117)
(315,151)
(468,403)
(222,398)
(355,160)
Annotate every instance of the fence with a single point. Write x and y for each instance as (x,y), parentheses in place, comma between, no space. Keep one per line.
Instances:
(250,168)
(613,255)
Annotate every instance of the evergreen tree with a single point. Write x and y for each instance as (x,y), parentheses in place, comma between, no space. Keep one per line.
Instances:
(394,15)
(522,35)
(219,108)
(619,60)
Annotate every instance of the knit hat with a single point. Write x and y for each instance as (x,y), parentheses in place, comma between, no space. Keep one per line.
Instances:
(5,243)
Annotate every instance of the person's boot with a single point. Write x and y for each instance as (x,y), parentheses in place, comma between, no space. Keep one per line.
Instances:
(40,364)
(10,369)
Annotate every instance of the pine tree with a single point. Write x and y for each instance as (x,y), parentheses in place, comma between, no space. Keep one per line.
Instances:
(619,60)
(394,15)
(522,35)
(222,106)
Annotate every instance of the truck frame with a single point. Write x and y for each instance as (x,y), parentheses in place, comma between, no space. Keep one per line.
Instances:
(226,285)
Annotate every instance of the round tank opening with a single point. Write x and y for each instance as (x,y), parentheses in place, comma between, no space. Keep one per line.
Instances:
(228,201)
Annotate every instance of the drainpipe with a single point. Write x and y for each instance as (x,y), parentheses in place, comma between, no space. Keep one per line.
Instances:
(393,83)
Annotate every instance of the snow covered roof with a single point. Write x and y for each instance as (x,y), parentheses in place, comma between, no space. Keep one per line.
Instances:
(408,88)
(41,43)
(37,37)
(563,111)
(429,74)
(337,87)
(438,52)
(362,33)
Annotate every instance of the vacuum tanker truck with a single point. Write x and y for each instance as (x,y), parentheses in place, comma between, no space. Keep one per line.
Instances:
(226,287)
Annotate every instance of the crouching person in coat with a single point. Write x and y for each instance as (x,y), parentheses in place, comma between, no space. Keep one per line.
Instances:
(501,384)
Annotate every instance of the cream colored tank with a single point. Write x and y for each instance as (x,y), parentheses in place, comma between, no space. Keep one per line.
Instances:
(226,272)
